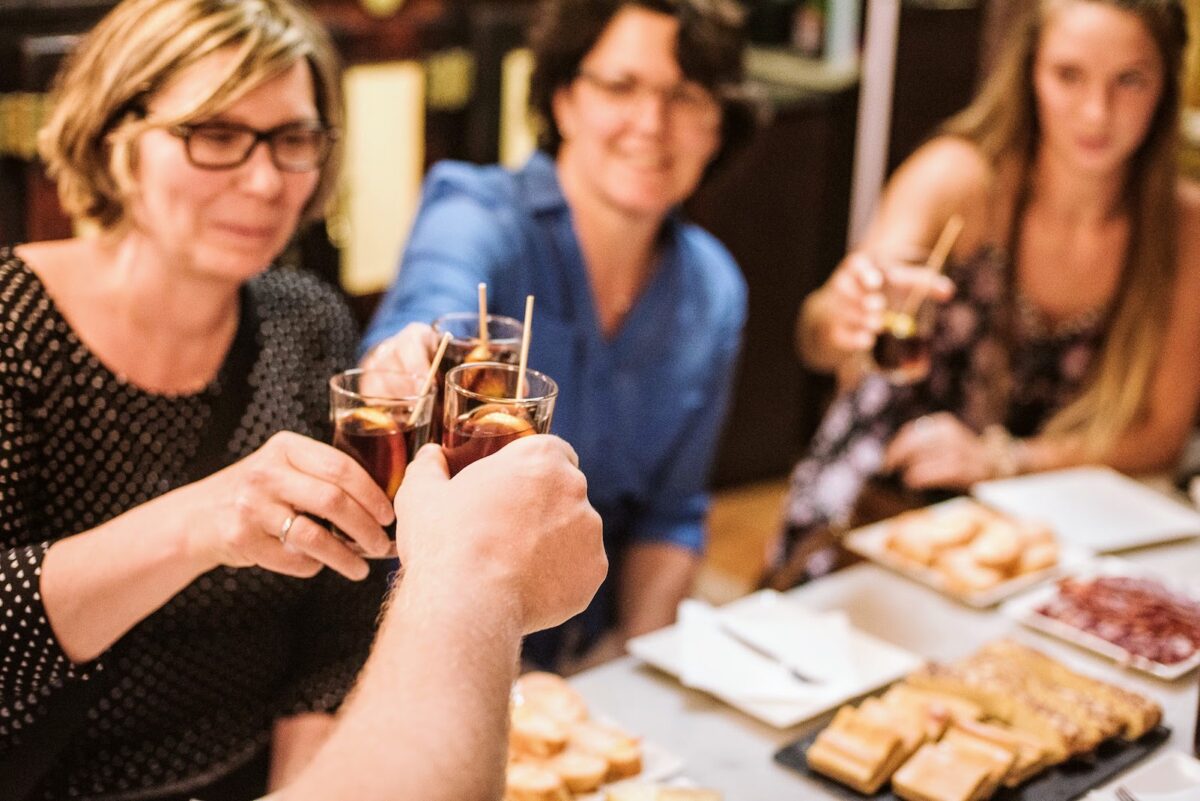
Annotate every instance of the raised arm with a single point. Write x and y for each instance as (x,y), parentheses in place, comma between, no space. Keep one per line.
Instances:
(839,320)
(457,241)
(939,451)
(98,584)
(483,565)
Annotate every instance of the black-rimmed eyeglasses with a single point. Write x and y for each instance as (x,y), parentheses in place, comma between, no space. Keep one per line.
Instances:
(294,147)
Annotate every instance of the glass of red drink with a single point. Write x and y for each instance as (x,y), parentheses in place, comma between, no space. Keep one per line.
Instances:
(465,347)
(902,349)
(381,419)
(482,413)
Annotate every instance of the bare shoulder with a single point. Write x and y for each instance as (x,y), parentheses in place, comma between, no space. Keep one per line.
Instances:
(950,167)
(66,268)
(51,258)
(946,176)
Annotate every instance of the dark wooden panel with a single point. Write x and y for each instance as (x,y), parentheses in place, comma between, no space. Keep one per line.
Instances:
(418,27)
(937,68)
(781,207)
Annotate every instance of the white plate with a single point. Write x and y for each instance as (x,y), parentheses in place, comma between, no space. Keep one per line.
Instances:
(1170,776)
(1024,609)
(1093,507)
(871,542)
(761,687)
(658,764)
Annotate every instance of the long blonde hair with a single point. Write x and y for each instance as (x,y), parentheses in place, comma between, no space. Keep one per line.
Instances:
(1002,122)
(136,50)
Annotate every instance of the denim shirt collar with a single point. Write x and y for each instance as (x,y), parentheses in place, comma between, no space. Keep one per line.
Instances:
(539,177)
(543,192)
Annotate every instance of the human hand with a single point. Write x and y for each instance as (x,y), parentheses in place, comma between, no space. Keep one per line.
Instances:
(938,451)
(857,295)
(410,351)
(239,516)
(517,522)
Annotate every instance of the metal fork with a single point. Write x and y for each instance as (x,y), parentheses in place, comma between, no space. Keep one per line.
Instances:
(1125,795)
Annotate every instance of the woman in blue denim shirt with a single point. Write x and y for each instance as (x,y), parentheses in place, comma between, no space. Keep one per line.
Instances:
(639,314)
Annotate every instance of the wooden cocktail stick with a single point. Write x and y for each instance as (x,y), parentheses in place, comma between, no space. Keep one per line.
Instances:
(937,261)
(483,315)
(524,347)
(433,368)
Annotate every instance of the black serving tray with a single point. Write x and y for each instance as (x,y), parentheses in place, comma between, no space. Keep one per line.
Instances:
(1062,782)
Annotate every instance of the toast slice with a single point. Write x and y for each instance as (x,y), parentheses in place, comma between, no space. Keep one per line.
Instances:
(908,723)
(1031,754)
(999,759)
(856,751)
(936,773)
(551,695)
(622,751)
(530,781)
(535,734)
(580,771)
(1135,713)
(1007,703)
(1095,720)
(940,708)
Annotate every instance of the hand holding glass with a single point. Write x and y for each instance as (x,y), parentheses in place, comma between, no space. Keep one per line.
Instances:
(902,348)
(381,420)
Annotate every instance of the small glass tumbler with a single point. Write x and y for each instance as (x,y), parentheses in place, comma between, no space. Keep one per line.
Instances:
(482,413)
(381,419)
(465,347)
(902,349)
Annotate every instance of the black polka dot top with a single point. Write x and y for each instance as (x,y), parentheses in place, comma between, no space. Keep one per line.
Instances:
(190,694)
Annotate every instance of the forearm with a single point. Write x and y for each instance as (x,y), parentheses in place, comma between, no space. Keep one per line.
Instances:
(655,578)
(99,584)
(429,715)
(1142,450)
(1147,449)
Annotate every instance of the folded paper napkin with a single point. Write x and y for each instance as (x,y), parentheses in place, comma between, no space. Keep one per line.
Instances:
(816,644)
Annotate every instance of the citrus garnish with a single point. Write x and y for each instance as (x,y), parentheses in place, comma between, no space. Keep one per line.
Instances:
(899,324)
(373,419)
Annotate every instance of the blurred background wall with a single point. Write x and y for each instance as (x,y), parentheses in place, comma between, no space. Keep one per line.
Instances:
(434,79)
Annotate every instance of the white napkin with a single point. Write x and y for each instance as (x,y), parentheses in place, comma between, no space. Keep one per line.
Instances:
(817,645)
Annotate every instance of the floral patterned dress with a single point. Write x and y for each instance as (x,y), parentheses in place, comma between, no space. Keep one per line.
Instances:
(978,373)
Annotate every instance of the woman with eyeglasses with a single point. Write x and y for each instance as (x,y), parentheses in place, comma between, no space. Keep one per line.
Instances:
(160,568)
(639,313)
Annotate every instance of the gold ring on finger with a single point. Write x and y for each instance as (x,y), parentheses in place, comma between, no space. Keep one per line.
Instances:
(288,522)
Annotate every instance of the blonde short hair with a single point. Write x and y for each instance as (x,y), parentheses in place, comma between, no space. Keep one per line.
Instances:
(136,50)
